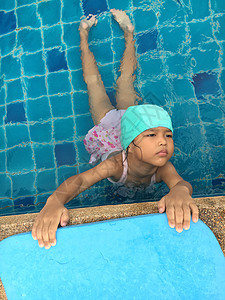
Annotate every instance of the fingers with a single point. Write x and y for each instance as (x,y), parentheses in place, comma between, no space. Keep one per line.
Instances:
(162,205)
(64,218)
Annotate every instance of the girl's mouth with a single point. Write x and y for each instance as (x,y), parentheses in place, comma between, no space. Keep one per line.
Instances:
(162,153)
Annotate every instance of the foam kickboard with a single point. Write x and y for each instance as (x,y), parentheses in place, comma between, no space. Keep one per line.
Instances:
(132,258)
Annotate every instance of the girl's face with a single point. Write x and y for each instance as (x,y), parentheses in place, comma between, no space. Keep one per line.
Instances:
(156,146)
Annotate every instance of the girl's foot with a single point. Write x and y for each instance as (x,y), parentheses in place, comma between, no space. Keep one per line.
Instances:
(122,18)
(87,23)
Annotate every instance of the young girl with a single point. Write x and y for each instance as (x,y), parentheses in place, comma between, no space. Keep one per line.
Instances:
(133,142)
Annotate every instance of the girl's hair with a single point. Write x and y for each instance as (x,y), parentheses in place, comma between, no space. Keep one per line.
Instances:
(128,149)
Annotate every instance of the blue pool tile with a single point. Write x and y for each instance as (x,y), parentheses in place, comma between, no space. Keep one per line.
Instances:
(16,134)
(52,36)
(33,64)
(23,184)
(44,156)
(20,159)
(2,138)
(56,60)
(215,134)
(77,81)
(7,43)
(83,124)
(27,16)
(199,10)
(59,83)
(41,133)
(2,102)
(147,41)
(74,59)
(24,2)
(7,22)
(170,12)
(7,5)
(97,33)
(107,75)
(151,67)
(179,64)
(183,89)
(71,11)
(200,32)
(83,155)
(173,38)
(147,15)
(5,190)
(2,162)
(218,6)
(15,113)
(210,113)
(219,34)
(94,7)
(102,52)
(71,34)
(61,106)
(185,113)
(30,40)
(24,201)
(65,154)
(46,181)
(49,12)
(217,155)
(14,91)
(155,91)
(10,67)
(81,104)
(65,172)
(38,110)
(36,86)
(2,114)
(206,83)
(63,129)
(118,4)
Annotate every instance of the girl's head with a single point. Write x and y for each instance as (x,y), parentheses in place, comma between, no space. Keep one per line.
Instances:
(147,127)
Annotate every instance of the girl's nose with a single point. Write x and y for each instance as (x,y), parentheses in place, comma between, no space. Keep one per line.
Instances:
(162,141)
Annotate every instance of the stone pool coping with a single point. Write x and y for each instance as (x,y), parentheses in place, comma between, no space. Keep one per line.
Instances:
(212,213)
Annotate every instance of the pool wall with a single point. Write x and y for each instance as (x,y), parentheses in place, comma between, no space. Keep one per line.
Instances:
(44,112)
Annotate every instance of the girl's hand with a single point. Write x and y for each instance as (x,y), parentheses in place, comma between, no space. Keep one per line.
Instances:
(178,205)
(46,224)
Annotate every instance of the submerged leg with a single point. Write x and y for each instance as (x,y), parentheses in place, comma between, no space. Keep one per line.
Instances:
(126,94)
(98,100)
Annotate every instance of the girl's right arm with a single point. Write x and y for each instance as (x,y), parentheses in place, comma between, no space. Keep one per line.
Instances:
(54,212)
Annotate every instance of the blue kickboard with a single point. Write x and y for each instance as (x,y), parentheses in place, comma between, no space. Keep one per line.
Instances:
(132,258)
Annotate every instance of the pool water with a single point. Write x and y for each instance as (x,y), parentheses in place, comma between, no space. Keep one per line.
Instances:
(44,112)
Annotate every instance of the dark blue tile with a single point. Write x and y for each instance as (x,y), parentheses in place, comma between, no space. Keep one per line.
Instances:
(71,15)
(38,110)
(63,129)
(5,190)
(61,106)
(7,43)
(2,162)
(71,34)
(10,67)
(46,181)
(147,41)
(24,201)
(36,86)
(65,154)
(15,113)
(20,159)
(2,138)
(56,60)
(52,36)
(215,135)
(59,83)
(27,16)
(16,134)
(94,7)
(205,83)
(7,22)
(41,133)
(30,40)
(49,12)
(14,91)
(23,185)
(33,64)
(44,156)
(210,113)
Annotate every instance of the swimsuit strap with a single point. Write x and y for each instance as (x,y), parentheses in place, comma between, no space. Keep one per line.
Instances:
(123,177)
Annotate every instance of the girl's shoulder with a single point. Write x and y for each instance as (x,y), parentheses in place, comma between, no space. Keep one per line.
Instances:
(115,163)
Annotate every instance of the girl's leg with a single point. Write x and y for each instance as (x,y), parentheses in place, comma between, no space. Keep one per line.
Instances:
(126,95)
(98,100)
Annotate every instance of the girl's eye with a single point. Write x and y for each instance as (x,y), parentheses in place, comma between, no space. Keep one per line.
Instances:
(169,135)
(151,134)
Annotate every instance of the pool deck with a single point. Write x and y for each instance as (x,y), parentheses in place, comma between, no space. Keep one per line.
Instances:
(212,213)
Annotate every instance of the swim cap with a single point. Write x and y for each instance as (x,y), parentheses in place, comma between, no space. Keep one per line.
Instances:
(139,118)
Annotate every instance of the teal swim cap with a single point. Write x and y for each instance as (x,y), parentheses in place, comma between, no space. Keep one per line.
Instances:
(139,118)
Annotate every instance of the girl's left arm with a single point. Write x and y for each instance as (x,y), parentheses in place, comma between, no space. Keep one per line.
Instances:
(178,203)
